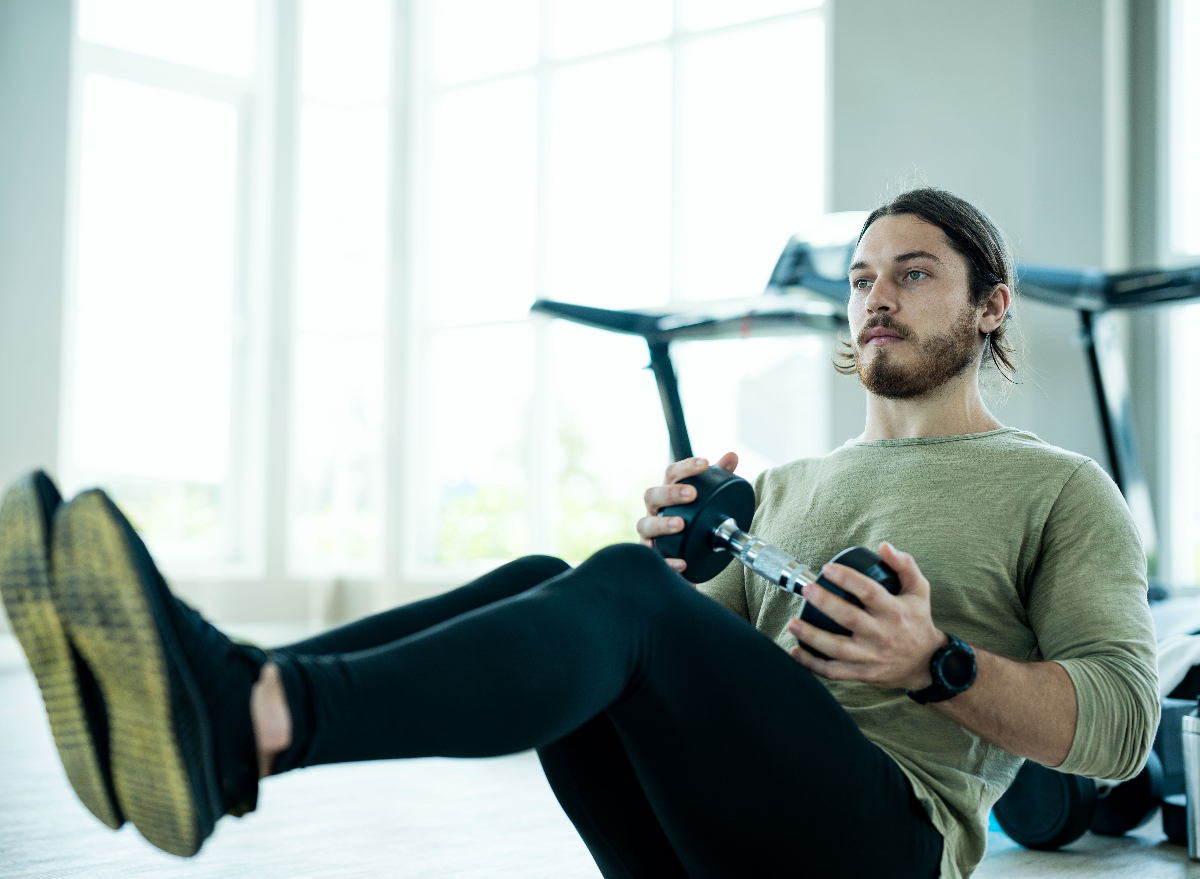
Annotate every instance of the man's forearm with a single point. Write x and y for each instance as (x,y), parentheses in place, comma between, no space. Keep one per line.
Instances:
(1027,708)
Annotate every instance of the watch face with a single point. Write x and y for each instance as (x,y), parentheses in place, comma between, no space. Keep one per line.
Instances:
(958,668)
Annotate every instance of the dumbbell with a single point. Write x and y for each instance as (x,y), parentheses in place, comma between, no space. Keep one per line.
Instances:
(1046,809)
(715,532)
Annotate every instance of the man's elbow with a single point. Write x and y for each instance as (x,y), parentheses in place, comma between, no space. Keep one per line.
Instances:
(1118,717)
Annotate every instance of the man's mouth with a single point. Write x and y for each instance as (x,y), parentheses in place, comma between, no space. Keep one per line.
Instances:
(880,336)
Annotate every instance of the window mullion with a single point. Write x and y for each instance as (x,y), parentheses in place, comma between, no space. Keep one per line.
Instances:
(541,448)
(676,152)
(285,101)
(398,307)
(158,73)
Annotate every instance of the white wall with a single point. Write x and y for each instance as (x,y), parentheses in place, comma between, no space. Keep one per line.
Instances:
(34,79)
(1003,104)
(34,65)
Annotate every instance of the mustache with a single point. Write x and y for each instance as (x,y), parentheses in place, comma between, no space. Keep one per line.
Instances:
(888,323)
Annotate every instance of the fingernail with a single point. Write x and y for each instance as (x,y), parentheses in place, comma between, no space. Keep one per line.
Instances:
(688,493)
(806,591)
(676,522)
(701,462)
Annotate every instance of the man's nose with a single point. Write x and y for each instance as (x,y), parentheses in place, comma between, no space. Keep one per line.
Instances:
(882,297)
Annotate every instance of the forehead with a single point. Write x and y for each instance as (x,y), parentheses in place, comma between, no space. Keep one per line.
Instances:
(889,238)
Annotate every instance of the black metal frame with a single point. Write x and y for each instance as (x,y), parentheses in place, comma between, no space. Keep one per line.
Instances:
(802,300)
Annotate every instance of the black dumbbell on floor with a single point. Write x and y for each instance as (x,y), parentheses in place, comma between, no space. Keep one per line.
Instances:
(1046,809)
(714,533)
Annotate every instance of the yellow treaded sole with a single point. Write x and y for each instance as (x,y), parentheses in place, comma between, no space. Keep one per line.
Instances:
(26,588)
(108,617)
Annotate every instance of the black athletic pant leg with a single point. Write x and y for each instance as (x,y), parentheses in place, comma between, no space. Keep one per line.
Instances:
(408,619)
(599,790)
(748,764)
(588,770)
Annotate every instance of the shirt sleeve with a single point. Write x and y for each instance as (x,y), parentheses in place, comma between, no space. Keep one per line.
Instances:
(1088,608)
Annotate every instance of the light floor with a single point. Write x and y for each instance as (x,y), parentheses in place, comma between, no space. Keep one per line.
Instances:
(420,818)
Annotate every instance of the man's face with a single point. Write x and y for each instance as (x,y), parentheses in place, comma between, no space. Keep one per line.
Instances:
(913,325)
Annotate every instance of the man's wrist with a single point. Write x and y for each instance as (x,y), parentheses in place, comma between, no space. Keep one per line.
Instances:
(952,671)
(922,675)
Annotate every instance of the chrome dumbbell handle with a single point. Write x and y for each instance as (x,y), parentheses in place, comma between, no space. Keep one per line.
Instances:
(764,559)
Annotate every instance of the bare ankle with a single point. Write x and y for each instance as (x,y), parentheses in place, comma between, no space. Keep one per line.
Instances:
(271,717)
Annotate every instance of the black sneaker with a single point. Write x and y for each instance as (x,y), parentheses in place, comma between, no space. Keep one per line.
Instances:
(73,700)
(177,689)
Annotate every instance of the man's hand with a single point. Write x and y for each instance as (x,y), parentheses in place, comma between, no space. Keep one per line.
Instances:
(670,494)
(892,637)
(1027,708)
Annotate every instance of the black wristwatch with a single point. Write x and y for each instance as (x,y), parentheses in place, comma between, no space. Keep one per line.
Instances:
(953,671)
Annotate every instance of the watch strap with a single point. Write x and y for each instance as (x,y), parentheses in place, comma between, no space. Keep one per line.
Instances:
(941,689)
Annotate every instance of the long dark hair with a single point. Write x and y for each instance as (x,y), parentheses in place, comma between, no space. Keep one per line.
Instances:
(977,239)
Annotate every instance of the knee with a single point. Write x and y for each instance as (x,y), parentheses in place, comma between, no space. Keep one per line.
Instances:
(539,568)
(629,572)
(627,557)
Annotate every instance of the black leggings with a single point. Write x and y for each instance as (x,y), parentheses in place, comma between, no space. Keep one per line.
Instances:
(679,740)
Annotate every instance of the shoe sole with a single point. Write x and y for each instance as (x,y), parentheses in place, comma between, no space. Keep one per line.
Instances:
(28,597)
(161,753)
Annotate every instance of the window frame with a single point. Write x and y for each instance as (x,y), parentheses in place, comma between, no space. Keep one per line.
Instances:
(1179,570)
(421,95)
(268,105)
(249,98)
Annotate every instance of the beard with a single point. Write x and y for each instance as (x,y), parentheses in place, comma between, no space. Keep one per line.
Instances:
(939,358)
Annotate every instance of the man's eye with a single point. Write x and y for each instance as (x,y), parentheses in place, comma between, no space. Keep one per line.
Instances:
(916,275)
(860,284)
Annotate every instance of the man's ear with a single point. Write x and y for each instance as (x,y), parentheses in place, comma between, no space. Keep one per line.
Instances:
(995,308)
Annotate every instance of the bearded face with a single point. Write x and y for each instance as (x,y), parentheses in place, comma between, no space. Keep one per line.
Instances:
(938,358)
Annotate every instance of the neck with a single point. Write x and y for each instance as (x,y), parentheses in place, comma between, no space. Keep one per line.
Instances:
(954,409)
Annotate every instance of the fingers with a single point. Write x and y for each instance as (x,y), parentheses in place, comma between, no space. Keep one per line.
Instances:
(685,468)
(691,466)
(650,527)
(661,496)
(826,668)
(911,578)
(837,647)
(859,585)
(670,494)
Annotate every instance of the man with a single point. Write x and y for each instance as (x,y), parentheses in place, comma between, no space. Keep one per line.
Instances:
(1002,533)
(679,740)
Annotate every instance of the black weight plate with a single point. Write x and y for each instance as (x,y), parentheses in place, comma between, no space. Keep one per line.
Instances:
(1128,805)
(720,495)
(862,560)
(1174,818)
(1045,809)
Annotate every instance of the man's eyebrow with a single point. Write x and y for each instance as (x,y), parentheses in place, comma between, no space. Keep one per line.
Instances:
(917,254)
(903,257)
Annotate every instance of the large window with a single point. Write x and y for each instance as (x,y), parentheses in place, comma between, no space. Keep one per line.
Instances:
(336,432)
(230,262)
(306,238)
(1183,228)
(158,326)
(616,155)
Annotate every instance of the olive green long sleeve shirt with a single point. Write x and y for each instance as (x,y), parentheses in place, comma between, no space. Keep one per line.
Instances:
(1030,552)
